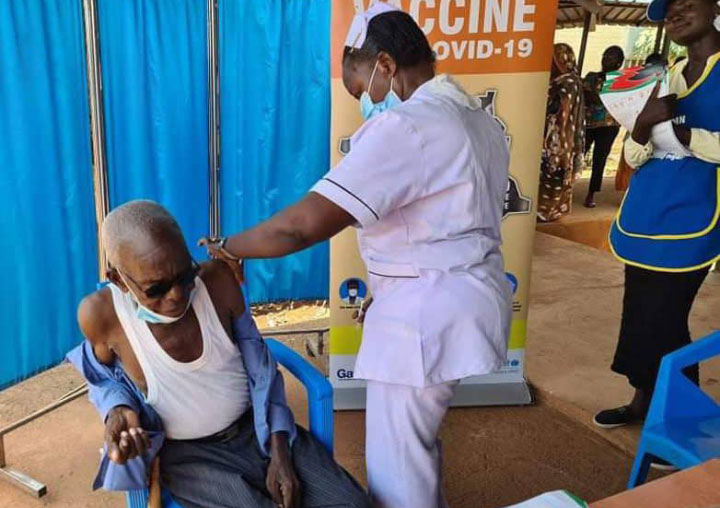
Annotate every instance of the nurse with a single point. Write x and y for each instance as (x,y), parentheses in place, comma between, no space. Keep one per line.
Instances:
(424,184)
(667,232)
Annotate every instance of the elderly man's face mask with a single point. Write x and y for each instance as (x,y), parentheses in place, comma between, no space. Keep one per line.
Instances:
(158,290)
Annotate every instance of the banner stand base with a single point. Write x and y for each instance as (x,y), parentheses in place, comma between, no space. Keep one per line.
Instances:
(349,399)
(466,395)
(515,393)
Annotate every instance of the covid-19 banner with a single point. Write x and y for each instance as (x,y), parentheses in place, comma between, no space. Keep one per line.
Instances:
(500,51)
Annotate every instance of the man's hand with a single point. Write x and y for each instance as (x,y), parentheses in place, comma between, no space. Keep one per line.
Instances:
(124,437)
(281,481)
(657,110)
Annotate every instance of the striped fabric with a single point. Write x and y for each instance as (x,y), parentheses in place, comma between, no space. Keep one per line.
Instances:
(232,474)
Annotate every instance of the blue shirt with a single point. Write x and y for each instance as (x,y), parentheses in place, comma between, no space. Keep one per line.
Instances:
(110,386)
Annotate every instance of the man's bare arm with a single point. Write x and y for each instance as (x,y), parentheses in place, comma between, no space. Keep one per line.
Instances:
(95,316)
(124,436)
(224,289)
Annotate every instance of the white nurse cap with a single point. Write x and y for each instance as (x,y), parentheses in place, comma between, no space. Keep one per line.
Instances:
(358,29)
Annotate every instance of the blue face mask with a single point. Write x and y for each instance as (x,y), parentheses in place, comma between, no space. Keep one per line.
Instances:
(368,108)
(145,314)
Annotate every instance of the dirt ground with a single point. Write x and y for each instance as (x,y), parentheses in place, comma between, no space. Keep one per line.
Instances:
(494,456)
(290,314)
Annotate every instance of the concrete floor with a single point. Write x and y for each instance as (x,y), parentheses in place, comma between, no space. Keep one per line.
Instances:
(575,306)
(573,326)
(589,226)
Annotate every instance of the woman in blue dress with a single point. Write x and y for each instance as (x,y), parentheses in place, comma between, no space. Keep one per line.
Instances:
(667,232)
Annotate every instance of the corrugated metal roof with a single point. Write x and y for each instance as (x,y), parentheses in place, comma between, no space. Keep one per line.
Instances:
(612,12)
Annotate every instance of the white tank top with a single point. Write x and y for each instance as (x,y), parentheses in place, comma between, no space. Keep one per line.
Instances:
(194,399)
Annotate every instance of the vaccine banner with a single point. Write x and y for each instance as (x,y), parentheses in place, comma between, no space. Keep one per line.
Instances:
(500,51)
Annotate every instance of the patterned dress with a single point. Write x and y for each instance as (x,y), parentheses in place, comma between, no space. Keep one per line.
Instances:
(564,144)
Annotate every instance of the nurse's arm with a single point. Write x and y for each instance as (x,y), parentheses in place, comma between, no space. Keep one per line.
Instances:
(312,220)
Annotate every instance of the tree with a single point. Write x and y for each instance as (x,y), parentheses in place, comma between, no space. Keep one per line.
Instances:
(645,45)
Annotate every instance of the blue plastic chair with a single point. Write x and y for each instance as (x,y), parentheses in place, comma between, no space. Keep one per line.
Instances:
(320,405)
(683,424)
(320,402)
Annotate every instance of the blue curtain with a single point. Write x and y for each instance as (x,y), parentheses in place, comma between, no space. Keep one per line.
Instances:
(275,128)
(154,62)
(48,246)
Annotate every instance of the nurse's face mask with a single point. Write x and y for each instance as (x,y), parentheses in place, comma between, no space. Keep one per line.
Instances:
(369,108)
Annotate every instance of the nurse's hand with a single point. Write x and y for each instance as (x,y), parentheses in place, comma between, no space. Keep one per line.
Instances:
(216,248)
(359,315)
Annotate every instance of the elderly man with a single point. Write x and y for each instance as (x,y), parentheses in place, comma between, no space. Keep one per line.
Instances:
(178,369)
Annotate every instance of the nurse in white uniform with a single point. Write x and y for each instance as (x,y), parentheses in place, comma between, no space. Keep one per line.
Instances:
(424,184)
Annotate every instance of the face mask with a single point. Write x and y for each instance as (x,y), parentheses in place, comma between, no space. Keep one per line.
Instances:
(368,108)
(150,316)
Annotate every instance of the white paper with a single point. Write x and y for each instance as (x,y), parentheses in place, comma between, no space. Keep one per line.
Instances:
(557,499)
(625,107)
(666,144)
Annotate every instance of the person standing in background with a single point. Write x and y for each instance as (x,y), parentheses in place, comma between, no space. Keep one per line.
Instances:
(667,232)
(602,128)
(564,142)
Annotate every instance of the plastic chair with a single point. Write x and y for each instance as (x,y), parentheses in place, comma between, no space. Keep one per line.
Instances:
(683,424)
(320,402)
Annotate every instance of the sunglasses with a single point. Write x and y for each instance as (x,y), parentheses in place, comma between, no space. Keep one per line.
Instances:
(163,287)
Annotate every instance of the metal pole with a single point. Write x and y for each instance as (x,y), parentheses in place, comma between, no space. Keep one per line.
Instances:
(659,37)
(17,478)
(666,46)
(266,333)
(594,6)
(97,124)
(213,116)
(69,397)
(583,44)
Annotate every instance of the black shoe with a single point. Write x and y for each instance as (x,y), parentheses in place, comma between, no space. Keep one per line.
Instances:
(618,417)
(662,465)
